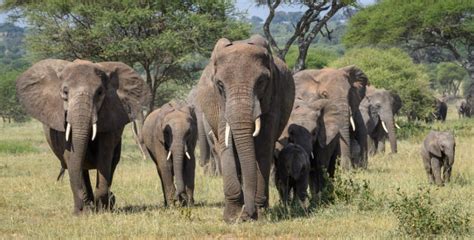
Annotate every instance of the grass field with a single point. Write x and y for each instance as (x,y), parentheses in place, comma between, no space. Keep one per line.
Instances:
(34,206)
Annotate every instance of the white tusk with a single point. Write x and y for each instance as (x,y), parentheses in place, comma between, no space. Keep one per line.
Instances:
(169,156)
(396,125)
(257,127)
(227,133)
(384,127)
(68,131)
(186,152)
(352,123)
(94,131)
(312,156)
(187,155)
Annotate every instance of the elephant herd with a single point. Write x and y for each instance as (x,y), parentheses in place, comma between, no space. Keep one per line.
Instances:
(248,114)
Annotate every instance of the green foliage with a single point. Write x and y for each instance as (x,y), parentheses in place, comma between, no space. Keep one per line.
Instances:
(449,77)
(394,70)
(318,57)
(418,216)
(348,190)
(10,108)
(16,147)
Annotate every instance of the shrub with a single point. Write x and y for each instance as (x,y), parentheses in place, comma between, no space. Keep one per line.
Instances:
(317,57)
(394,70)
(418,216)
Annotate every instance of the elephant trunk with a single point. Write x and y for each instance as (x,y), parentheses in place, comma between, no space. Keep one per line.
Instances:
(345,141)
(389,123)
(177,149)
(240,113)
(204,148)
(80,118)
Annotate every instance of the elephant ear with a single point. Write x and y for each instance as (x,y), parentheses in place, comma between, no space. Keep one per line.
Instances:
(127,94)
(397,103)
(38,90)
(357,77)
(433,147)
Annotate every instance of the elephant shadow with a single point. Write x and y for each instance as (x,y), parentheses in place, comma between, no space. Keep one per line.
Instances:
(133,209)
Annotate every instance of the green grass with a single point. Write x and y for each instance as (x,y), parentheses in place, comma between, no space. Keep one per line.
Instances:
(34,206)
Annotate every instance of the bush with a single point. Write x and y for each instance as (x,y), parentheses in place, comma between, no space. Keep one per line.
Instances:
(318,57)
(418,216)
(394,70)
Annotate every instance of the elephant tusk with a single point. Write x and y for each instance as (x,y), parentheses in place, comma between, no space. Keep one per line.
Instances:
(169,156)
(352,123)
(94,131)
(68,131)
(257,127)
(384,127)
(227,133)
(396,125)
(312,156)
(187,155)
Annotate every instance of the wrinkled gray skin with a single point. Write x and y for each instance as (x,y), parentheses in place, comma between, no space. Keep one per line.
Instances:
(292,174)
(171,131)
(242,83)
(379,107)
(208,159)
(463,109)
(438,152)
(82,94)
(344,87)
(314,125)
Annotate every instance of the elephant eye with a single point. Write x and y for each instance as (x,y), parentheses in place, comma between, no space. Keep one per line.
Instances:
(100,91)
(220,86)
(64,94)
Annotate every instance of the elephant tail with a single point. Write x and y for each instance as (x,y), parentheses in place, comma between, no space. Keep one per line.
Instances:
(61,174)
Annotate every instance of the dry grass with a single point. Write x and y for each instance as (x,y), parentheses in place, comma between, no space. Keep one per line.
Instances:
(34,205)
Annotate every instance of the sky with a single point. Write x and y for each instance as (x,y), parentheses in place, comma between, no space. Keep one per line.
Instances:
(248,6)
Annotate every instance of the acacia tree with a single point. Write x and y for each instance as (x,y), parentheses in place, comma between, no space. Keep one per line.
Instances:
(159,38)
(449,77)
(418,24)
(313,22)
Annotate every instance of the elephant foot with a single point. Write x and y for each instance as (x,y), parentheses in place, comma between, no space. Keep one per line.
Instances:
(235,213)
(106,202)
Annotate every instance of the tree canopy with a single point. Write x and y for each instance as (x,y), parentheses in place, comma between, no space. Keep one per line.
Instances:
(161,38)
(418,24)
(449,77)
(394,70)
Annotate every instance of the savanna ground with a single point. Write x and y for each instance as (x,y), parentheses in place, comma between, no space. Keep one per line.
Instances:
(34,205)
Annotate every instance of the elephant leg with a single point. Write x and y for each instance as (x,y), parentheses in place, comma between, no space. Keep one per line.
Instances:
(446,171)
(371,146)
(264,154)
(104,181)
(427,166)
(436,171)
(86,183)
(189,180)
(381,146)
(301,193)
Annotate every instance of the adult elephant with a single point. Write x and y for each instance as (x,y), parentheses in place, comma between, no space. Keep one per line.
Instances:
(345,87)
(208,157)
(314,125)
(441,110)
(246,95)
(84,107)
(170,135)
(464,109)
(378,110)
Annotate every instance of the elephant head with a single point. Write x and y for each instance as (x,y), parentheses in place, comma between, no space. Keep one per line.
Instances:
(378,109)
(345,88)
(177,131)
(82,99)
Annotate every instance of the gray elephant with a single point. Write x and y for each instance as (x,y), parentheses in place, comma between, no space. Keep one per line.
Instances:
(438,152)
(345,87)
(292,174)
(378,110)
(170,135)
(314,125)
(463,109)
(246,94)
(441,110)
(208,158)
(84,107)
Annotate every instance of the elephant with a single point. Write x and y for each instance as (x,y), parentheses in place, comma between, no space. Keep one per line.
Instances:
(464,109)
(345,87)
(438,152)
(314,125)
(441,110)
(246,94)
(84,107)
(292,174)
(378,110)
(170,135)
(208,159)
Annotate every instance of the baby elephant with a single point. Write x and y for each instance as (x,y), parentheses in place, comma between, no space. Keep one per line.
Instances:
(292,174)
(170,135)
(438,152)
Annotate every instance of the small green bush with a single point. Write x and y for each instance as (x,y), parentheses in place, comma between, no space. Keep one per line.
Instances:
(15,147)
(418,216)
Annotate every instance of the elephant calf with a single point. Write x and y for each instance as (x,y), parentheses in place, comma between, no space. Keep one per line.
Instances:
(437,152)
(170,135)
(292,173)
